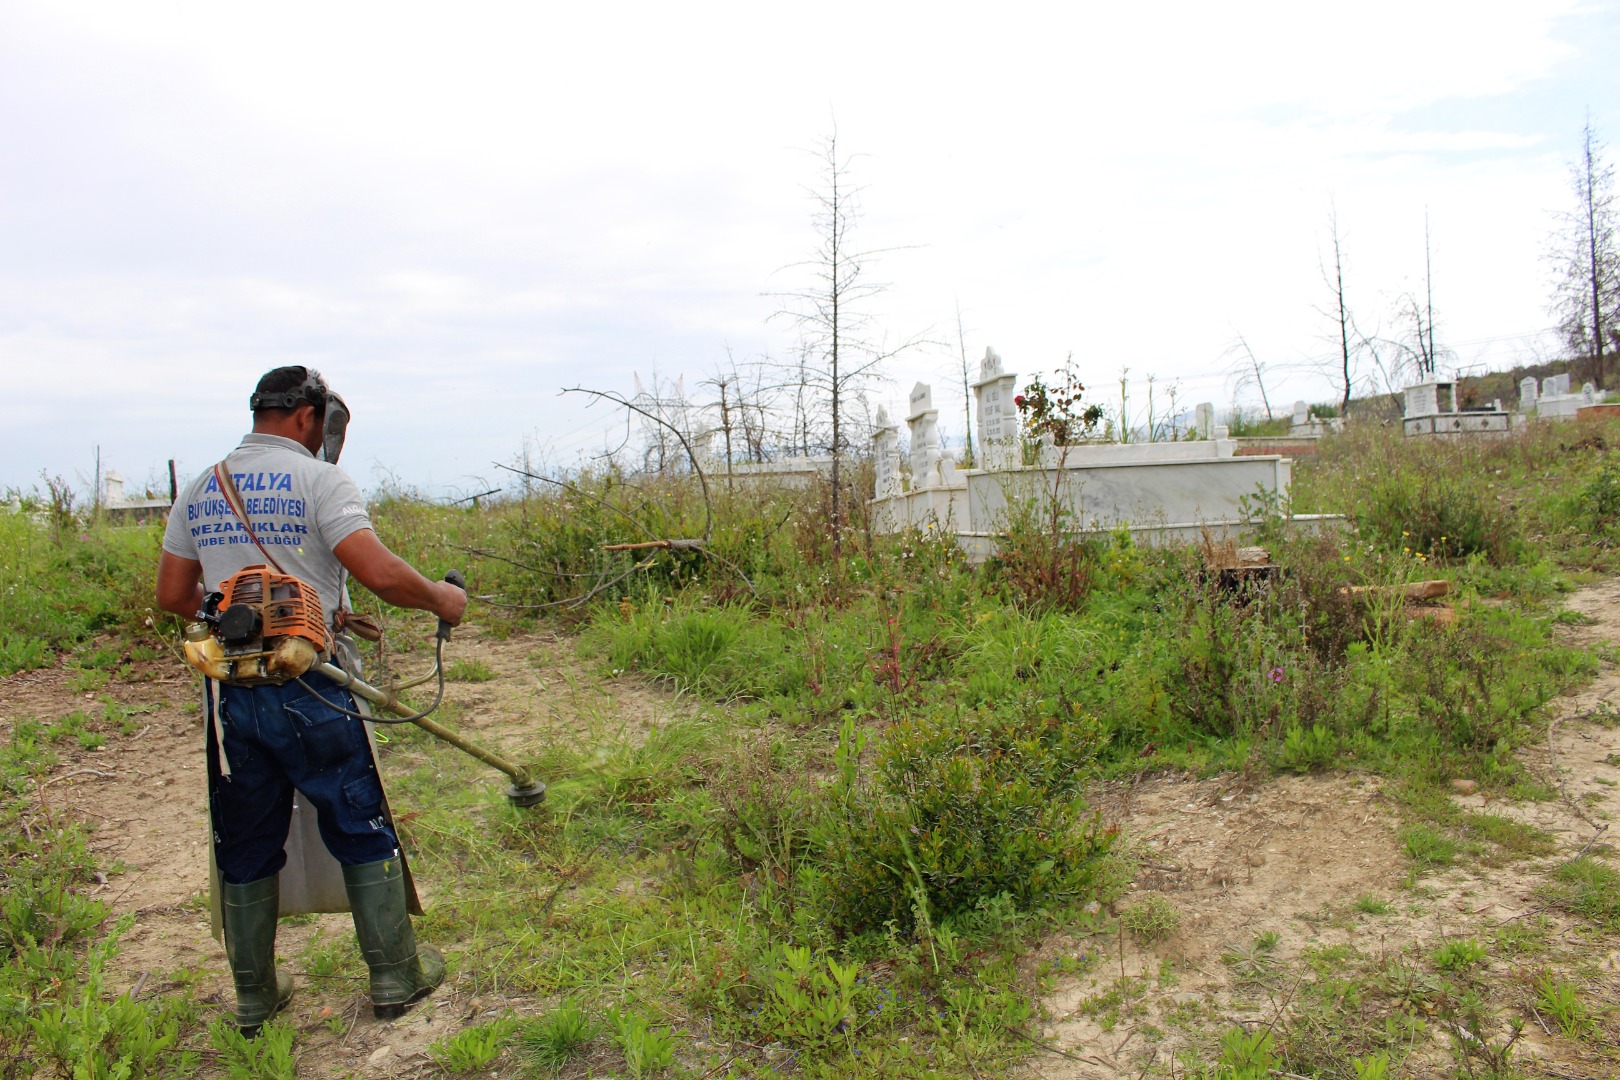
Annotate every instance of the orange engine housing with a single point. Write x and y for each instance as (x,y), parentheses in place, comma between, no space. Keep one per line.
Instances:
(288,606)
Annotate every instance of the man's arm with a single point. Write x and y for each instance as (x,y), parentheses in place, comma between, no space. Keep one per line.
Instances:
(179,585)
(395,580)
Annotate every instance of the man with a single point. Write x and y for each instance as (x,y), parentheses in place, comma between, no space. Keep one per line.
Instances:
(304,515)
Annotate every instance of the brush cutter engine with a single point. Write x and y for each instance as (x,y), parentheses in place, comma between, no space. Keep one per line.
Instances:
(261,627)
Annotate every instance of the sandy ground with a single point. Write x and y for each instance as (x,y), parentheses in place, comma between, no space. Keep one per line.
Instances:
(1235,858)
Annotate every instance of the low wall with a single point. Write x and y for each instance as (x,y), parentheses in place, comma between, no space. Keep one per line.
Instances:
(1285,445)
(979,546)
(1103,495)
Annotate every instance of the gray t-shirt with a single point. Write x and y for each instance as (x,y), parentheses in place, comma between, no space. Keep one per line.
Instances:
(301,508)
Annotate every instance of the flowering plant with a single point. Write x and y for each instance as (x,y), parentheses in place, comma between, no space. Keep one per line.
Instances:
(1056,409)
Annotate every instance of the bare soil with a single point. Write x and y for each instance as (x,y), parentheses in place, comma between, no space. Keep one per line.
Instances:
(1235,857)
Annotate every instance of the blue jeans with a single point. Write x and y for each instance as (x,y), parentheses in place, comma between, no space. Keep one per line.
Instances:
(278,738)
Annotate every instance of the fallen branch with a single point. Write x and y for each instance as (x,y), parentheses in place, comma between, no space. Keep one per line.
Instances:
(1414,590)
(668,545)
(703,481)
(575,491)
(77,772)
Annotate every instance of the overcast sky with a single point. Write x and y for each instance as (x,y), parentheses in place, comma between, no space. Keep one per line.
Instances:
(456,210)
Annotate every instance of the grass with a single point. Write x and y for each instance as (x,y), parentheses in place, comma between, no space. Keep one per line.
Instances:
(836,861)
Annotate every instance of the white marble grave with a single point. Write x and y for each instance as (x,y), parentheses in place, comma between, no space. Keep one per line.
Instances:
(998,420)
(1431,410)
(1158,490)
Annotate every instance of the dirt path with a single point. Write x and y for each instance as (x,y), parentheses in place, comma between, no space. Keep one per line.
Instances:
(144,798)
(1290,856)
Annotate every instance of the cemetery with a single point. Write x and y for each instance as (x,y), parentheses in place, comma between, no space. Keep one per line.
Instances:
(1158,491)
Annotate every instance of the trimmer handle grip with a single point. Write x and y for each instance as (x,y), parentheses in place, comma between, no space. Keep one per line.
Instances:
(453,577)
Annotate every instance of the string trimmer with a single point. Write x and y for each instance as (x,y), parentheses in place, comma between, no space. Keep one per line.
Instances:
(525,790)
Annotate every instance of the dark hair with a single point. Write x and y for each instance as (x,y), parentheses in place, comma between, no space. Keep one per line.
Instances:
(280,381)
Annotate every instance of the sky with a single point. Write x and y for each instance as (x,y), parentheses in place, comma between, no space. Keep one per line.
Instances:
(457,211)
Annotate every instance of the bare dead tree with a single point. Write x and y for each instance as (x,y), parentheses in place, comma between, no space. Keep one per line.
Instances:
(1340,312)
(1246,370)
(1586,258)
(839,354)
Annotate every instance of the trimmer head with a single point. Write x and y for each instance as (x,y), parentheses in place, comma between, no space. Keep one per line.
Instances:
(525,797)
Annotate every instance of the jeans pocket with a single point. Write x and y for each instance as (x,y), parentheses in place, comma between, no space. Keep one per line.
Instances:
(364,795)
(327,736)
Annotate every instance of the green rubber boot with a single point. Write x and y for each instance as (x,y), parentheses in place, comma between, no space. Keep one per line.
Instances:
(249,916)
(401,973)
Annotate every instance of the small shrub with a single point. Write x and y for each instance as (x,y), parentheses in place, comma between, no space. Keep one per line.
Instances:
(1306,749)
(1151,919)
(965,810)
(20,652)
(1439,512)
(810,1001)
(1600,498)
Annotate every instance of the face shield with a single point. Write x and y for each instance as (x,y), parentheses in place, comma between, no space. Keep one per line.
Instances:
(335,428)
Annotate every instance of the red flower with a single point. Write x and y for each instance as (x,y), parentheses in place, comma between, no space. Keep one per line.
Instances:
(1019,401)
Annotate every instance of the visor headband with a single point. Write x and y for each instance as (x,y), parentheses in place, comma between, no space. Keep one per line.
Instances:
(312,391)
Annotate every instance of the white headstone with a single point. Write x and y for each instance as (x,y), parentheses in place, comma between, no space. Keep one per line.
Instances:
(1423,399)
(886,455)
(1204,420)
(1555,385)
(1527,393)
(998,418)
(924,425)
(113,483)
(1302,414)
(1588,394)
(922,400)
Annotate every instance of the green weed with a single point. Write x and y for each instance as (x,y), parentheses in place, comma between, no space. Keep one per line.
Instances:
(1151,919)
(552,1040)
(464,670)
(1459,955)
(1589,888)
(472,1048)
(1561,1000)
(1428,846)
(268,1057)
(647,1050)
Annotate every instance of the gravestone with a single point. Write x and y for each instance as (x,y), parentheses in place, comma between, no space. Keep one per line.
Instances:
(1527,393)
(1588,394)
(1204,420)
(997,415)
(1555,385)
(1423,399)
(1302,414)
(923,421)
(886,455)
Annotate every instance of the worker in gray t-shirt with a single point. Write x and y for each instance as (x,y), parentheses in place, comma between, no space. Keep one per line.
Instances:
(307,519)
